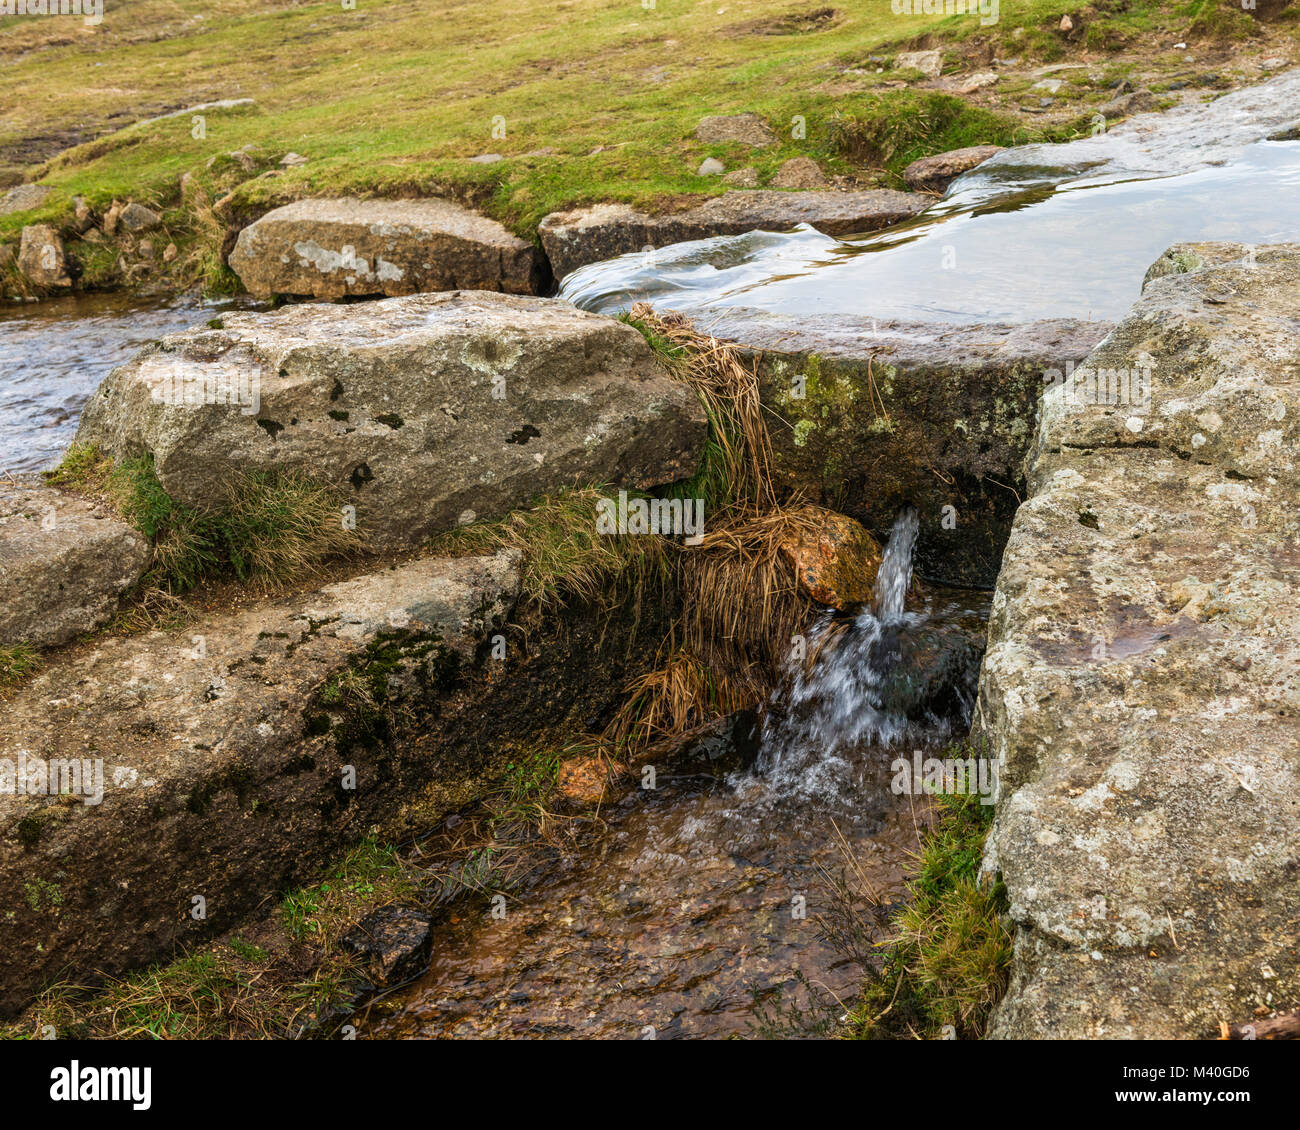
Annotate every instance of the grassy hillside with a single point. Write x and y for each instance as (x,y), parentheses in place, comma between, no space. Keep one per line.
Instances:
(584,99)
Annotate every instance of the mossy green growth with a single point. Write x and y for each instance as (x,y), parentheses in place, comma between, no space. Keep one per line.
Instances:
(946,964)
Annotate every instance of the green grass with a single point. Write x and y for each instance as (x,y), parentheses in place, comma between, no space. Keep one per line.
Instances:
(946,964)
(392,99)
(892,130)
(565,558)
(17,663)
(271,527)
(235,989)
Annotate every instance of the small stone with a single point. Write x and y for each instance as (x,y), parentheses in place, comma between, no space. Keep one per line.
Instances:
(6,254)
(85,218)
(110,219)
(583,780)
(710,167)
(41,257)
(1051,85)
(747,129)
(486,159)
(169,253)
(799,172)
(1067,24)
(293,160)
(742,178)
(137,218)
(929,63)
(146,249)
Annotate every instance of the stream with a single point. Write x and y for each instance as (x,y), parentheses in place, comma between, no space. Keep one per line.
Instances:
(711,892)
(710,904)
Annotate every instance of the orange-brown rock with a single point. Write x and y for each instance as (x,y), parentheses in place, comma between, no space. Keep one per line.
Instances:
(584,780)
(837,565)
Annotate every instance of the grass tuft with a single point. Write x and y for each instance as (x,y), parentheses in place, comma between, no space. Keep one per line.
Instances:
(17,663)
(946,964)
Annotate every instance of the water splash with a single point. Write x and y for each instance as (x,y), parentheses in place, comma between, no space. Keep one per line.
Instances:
(840,697)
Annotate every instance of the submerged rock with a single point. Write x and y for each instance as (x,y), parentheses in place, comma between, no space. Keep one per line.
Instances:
(335,248)
(394,943)
(1142,682)
(211,767)
(425,412)
(935,174)
(602,231)
(64,563)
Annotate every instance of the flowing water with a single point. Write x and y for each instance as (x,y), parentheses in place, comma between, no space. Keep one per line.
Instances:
(705,894)
(1042,231)
(53,354)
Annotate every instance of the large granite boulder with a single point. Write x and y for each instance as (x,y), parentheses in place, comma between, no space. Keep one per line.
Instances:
(1142,683)
(161,788)
(64,563)
(335,248)
(602,231)
(425,411)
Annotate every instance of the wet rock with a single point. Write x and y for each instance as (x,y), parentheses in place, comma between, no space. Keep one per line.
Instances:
(41,256)
(930,673)
(877,414)
(725,745)
(136,218)
(584,780)
(929,63)
(23,198)
(253,745)
(64,563)
(1184,257)
(838,566)
(1194,136)
(394,942)
(710,167)
(935,174)
(425,412)
(747,129)
(799,172)
(1140,687)
(742,178)
(602,231)
(334,248)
